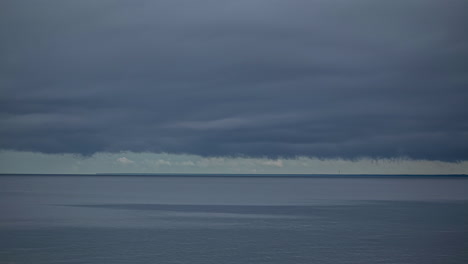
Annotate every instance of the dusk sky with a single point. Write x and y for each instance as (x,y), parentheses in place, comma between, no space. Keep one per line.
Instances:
(234,86)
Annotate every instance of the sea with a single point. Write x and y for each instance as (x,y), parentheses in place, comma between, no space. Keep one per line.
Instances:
(197,219)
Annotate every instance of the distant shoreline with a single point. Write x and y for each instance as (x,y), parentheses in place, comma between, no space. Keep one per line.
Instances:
(233,175)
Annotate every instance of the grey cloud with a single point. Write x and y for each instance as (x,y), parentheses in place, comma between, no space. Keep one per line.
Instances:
(343,79)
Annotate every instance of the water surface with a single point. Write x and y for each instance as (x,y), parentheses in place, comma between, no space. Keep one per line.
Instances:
(86,219)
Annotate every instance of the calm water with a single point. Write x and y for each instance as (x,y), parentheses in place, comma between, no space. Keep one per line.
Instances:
(233,220)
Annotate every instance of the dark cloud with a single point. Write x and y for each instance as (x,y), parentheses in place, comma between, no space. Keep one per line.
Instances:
(343,79)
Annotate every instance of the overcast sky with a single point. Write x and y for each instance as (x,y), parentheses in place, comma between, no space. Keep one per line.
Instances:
(250,78)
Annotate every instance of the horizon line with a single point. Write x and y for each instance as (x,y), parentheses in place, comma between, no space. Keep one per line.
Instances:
(245,175)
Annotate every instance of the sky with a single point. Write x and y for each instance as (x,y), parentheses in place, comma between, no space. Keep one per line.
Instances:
(261,85)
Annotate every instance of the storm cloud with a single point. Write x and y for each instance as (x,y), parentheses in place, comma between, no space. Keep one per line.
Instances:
(264,78)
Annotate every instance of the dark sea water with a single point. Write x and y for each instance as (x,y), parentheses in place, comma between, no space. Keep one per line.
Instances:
(85,219)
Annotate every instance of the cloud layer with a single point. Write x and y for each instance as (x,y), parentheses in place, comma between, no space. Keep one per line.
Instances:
(130,162)
(328,79)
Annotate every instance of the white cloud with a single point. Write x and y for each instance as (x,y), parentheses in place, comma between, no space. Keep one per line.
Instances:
(125,161)
(274,163)
(187,163)
(161,162)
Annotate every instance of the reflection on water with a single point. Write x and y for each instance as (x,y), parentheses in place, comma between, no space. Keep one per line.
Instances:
(233,220)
